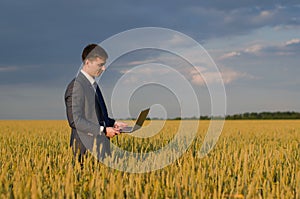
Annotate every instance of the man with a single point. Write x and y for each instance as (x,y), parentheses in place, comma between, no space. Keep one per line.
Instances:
(91,128)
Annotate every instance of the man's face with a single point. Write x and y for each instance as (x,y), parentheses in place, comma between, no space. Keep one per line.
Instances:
(95,67)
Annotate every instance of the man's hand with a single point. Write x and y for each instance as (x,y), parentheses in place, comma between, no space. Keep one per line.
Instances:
(111,132)
(119,125)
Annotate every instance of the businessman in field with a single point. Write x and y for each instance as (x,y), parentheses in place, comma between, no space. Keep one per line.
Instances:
(91,127)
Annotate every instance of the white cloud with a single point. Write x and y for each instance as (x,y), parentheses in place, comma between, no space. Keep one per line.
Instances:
(292,41)
(177,40)
(289,47)
(229,75)
(265,13)
(230,54)
(263,17)
(254,49)
(131,79)
(206,77)
(147,72)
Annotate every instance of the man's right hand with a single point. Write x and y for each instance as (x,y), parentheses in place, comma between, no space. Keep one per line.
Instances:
(111,132)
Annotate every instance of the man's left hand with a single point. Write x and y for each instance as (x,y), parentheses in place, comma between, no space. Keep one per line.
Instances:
(119,125)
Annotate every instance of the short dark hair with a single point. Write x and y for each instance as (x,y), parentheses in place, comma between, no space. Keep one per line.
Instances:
(93,51)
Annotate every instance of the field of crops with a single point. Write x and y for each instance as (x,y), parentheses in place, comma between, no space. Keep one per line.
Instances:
(252,159)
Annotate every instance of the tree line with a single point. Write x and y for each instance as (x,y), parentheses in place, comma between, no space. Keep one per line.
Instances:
(264,116)
(291,115)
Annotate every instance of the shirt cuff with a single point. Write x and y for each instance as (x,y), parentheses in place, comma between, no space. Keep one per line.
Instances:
(101,130)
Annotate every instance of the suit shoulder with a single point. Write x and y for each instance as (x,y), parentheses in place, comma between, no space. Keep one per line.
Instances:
(78,82)
(71,84)
(69,88)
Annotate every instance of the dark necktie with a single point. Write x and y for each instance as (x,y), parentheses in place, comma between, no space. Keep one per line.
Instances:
(101,103)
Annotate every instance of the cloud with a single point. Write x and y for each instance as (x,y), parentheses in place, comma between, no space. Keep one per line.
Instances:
(290,47)
(177,40)
(230,54)
(263,17)
(33,35)
(140,62)
(8,68)
(254,49)
(226,76)
(292,41)
(147,65)
(146,69)
(60,38)
(241,18)
(265,14)
(250,50)
(147,72)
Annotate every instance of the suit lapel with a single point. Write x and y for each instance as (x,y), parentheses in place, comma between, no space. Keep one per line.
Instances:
(92,93)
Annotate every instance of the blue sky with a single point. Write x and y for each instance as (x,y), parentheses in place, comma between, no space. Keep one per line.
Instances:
(255,44)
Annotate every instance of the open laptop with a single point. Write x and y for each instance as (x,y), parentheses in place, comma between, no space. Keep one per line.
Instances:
(139,122)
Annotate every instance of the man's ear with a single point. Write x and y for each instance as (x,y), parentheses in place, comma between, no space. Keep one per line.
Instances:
(87,62)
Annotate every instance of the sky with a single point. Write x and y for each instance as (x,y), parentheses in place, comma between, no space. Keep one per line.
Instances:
(255,46)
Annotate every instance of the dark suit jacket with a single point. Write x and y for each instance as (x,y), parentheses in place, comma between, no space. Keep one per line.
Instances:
(85,118)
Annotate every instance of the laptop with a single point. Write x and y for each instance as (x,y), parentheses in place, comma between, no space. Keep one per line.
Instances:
(139,122)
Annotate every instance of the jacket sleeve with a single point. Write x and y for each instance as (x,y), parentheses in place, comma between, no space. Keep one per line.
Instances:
(111,122)
(68,104)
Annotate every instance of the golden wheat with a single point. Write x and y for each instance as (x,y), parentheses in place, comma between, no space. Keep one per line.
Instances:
(252,159)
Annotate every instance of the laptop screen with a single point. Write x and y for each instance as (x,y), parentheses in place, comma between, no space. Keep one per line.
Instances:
(142,117)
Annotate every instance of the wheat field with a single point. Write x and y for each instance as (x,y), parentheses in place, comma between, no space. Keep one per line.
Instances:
(252,159)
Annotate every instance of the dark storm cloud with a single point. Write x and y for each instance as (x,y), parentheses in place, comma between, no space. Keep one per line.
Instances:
(50,21)
(41,41)
(48,36)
